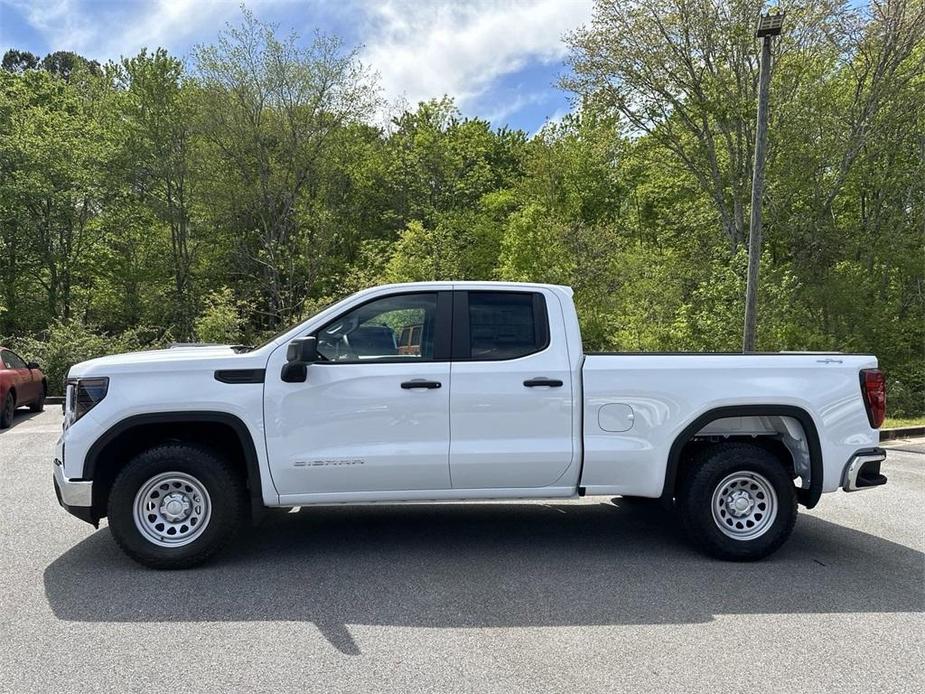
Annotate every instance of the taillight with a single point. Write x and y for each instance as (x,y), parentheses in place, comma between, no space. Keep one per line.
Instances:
(873,388)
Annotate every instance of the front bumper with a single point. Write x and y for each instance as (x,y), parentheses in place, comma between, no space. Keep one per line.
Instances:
(862,471)
(75,496)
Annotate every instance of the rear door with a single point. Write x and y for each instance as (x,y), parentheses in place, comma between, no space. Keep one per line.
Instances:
(511,404)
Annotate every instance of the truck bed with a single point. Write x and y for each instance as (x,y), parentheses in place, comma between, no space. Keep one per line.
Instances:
(637,405)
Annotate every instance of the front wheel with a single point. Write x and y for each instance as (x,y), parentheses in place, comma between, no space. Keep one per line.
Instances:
(738,502)
(175,506)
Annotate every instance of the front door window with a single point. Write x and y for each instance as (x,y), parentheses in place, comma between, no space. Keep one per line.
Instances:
(395,328)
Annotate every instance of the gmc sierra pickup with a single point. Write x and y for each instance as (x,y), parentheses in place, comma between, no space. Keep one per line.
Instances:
(452,391)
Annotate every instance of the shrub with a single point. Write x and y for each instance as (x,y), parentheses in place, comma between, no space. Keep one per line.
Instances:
(221,320)
(905,391)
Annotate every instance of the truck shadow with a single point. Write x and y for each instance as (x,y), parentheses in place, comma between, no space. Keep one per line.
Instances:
(485,565)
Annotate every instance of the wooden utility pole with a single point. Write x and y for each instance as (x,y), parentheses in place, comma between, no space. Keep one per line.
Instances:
(769,26)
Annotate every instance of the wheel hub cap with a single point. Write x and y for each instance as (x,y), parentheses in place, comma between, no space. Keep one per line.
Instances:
(176,506)
(740,503)
(172,509)
(744,505)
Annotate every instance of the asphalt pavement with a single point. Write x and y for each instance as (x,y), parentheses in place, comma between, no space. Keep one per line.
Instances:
(574,596)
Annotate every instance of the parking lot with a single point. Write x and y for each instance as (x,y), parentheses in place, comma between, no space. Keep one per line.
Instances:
(563,596)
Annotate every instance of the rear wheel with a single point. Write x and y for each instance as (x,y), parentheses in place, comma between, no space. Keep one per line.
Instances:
(6,414)
(738,502)
(175,506)
(38,405)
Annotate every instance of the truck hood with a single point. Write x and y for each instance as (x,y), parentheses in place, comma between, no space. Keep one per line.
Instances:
(167,359)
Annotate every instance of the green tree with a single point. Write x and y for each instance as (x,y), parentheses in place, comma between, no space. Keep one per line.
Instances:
(129,192)
(439,161)
(269,110)
(55,151)
(156,113)
(65,63)
(684,73)
(19,61)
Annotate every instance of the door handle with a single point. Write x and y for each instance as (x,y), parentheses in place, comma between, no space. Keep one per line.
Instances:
(420,383)
(536,382)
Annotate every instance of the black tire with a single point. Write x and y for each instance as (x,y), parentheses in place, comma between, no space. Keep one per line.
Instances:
(38,405)
(745,463)
(225,491)
(6,414)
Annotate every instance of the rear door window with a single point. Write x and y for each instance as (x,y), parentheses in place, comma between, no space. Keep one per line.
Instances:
(503,325)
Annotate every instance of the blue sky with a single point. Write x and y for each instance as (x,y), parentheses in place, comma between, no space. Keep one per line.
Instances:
(499,59)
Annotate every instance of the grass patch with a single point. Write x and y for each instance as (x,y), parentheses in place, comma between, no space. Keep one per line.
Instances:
(897,422)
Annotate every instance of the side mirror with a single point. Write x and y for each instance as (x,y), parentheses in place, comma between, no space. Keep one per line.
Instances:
(32,365)
(303,350)
(300,353)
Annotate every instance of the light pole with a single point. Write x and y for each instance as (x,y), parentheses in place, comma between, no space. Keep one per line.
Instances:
(769,26)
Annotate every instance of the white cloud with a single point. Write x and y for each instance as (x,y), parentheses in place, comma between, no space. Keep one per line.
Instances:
(123,30)
(421,48)
(426,49)
(56,20)
(167,21)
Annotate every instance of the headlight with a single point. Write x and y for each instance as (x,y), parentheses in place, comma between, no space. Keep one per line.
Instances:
(82,395)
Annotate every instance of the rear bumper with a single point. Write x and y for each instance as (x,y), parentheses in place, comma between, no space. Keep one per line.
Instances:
(75,496)
(862,471)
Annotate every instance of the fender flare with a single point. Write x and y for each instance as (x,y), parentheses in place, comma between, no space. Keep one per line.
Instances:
(251,462)
(807,497)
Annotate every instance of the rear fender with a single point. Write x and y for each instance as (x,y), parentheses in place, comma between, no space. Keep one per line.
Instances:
(809,497)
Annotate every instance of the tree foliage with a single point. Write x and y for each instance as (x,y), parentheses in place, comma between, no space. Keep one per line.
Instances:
(222,198)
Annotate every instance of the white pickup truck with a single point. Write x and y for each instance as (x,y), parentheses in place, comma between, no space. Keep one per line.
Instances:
(455,391)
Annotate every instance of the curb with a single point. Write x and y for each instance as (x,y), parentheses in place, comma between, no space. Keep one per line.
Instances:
(54,399)
(901,433)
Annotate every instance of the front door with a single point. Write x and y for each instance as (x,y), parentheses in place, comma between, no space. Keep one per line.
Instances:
(373,414)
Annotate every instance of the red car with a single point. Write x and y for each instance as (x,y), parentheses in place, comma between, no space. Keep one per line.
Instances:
(20,384)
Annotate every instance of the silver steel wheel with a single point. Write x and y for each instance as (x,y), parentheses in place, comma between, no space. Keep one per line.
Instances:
(744,505)
(172,509)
